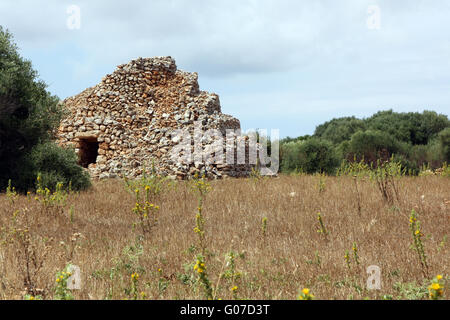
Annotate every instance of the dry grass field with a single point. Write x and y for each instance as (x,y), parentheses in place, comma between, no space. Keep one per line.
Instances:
(261,240)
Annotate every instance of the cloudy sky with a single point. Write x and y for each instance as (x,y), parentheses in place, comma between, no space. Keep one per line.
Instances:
(276,64)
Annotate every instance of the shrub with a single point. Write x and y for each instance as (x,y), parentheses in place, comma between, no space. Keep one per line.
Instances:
(55,165)
(289,155)
(58,165)
(312,155)
(372,145)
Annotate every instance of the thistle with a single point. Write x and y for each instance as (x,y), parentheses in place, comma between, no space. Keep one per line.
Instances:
(145,210)
(202,188)
(305,294)
(414,226)
(231,273)
(200,268)
(436,289)
(321,183)
(322,228)
(264,226)
(134,285)
(355,253)
(11,192)
(347,259)
(61,290)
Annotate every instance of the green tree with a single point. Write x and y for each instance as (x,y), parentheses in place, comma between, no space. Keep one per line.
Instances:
(29,117)
(413,127)
(340,129)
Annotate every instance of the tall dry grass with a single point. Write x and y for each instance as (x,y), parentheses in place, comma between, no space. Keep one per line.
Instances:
(275,264)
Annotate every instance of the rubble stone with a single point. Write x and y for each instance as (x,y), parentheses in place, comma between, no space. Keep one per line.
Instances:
(129,119)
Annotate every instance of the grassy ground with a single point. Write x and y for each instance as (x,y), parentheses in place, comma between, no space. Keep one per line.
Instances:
(245,257)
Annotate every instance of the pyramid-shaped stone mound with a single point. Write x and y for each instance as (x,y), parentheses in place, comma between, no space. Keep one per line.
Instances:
(128,121)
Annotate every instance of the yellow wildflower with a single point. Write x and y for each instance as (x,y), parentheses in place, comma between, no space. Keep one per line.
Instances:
(435,286)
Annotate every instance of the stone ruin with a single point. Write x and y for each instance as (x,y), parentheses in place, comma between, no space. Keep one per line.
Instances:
(127,122)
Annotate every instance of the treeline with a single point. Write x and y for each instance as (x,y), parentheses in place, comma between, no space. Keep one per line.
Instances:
(414,139)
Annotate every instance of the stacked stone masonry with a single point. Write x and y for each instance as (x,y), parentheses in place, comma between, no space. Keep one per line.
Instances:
(127,122)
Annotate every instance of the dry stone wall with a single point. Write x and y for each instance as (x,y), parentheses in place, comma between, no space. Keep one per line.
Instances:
(128,120)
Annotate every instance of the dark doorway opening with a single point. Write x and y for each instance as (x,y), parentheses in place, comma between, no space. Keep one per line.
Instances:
(88,151)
